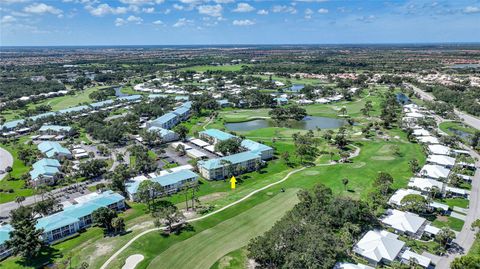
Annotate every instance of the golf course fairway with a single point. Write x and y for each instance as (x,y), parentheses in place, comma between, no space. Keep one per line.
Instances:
(205,248)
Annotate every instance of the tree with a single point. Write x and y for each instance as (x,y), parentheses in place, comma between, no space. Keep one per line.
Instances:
(118,177)
(383,182)
(343,111)
(367,108)
(118,225)
(103,217)
(169,214)
(182,131)
(455,180)
(467,261)
(414,166)
(345,183)
(19,199)
(148,191)
(229,146)
(25,237)
(285,157)
(444,237)
(306,146)
(92,168)
(414,203)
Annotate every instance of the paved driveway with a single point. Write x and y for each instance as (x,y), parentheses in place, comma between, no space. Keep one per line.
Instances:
(6,160)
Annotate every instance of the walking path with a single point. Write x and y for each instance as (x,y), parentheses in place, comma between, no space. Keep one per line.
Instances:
(6,160)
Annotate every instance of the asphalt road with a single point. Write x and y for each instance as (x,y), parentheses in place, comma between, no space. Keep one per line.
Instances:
(467,119)
(6,160)
(466,237)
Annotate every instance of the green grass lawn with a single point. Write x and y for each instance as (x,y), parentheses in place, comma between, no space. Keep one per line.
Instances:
(206,247)
(451,202)
(56,103)
(449,127)
(452,223)
(203,68)
(236,259)
(19,168)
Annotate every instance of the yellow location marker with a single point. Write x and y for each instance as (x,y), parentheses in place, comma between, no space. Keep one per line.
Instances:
(233,180)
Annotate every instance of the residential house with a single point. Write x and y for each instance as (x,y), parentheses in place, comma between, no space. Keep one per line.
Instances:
(167,121)
(404,222)
(264,151)
(379,247)
(442,160)
(164,134)
(213,136)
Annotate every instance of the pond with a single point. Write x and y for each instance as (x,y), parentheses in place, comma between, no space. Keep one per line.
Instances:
(118,92)
(308,123)
(458,66)
(295,88)
(403,99)
(462,134)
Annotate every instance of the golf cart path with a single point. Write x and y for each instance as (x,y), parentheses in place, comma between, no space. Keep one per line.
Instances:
(6,160)
(115,255)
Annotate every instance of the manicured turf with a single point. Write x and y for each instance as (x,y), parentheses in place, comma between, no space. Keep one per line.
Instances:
(205,248)
(236,259)
(452,223)
(56,103)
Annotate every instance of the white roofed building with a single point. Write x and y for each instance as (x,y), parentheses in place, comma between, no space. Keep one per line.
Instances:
(439,149)
(442,160)
(404,222)
(434,171)
(379,247)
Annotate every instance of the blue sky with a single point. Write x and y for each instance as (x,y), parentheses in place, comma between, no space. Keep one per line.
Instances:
(168,22)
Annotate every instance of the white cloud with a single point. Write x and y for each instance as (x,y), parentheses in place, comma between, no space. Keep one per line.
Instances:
(178,7)
(158,22)
(322,11)
(211,10)
(243,22)
(471,10)
(243,7)
(310,1)
(367,19)
(130,19)
(183,22)
(7,19)
(224,1)
(41,8)
(284,9)
(134,19)
(262,12)
(141,2)
(14,1)
(148,10)
(120,22)
(104,9)
(308,13)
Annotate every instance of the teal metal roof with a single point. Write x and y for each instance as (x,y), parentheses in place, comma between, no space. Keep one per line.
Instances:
(181,110)
(175,177)
(130,97)
(223,102)
(254,146)
(43,115)
(187,104)
(5,233)
(101,104)
(154,96)
(56,128)
(234,159)
(181,98)
(220,135)
(12,124)
(132,186)
(73,109)
(161,131)
(50,148)
(55,221)
(45,167)
(164,119)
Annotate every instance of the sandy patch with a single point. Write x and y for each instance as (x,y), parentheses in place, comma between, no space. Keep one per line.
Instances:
(141,226)
(358,165)
(132,261)
(212,197)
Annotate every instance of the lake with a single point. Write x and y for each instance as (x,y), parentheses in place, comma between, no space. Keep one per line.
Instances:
(458,66)
(308,123)
(403,99)
(118,92)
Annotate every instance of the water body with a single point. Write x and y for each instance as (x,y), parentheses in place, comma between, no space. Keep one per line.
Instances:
(459,66)
(308,123)
(403,99)
(118,92)
(295,88)
(464,135)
